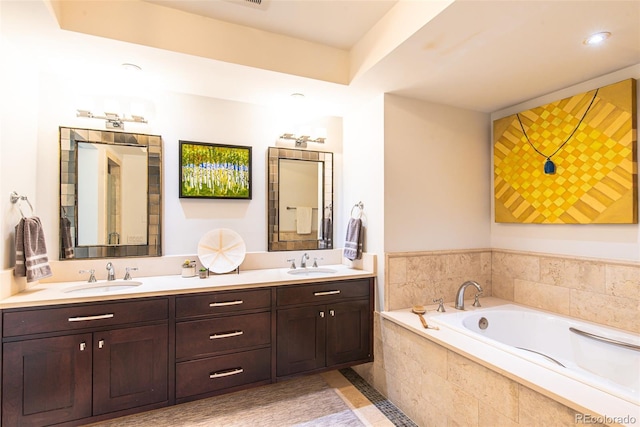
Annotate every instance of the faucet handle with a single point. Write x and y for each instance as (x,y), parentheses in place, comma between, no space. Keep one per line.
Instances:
(315,262)
(127,275)
(293,263)
(476,302)
(440,302)
(92,277)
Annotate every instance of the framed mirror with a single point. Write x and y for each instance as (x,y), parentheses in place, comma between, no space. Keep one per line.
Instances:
(300,199)
(110,194)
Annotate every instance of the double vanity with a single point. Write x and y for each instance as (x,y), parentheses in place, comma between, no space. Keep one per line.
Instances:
(75,353)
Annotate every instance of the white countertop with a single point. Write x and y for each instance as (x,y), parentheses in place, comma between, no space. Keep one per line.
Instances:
(54,293)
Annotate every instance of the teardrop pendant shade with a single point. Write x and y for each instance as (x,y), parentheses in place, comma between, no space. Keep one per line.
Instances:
(549,167)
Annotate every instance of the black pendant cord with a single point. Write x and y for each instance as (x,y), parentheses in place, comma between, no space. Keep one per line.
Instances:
(549,167)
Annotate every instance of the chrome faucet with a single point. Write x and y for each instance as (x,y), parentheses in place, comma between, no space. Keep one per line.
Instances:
(92,277)
(303,260)
(127,275)
(111,272)
(460,294)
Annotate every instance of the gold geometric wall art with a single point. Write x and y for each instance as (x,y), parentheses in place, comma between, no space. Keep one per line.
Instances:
(573,161)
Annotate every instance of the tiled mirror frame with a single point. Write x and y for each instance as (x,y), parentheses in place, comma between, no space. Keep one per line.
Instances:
(274,154)
(68,190)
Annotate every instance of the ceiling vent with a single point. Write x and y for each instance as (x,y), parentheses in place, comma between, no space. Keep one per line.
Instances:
(253,4)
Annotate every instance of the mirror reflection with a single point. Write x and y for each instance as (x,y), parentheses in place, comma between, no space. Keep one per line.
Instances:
(109,194)
(112,200)
(300,199)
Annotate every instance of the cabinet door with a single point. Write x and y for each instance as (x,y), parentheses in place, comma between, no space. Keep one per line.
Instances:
(46,381)
(300,340)
(130,368)
(348,332)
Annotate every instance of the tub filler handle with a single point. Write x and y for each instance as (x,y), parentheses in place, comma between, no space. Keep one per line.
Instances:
(605,339)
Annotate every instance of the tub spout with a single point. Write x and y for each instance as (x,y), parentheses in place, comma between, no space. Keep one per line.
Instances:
(460,294)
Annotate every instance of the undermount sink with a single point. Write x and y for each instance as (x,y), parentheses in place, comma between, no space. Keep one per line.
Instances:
(100,287)
(311,271)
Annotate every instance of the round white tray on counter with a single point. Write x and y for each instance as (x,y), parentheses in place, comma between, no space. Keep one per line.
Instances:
(221,250)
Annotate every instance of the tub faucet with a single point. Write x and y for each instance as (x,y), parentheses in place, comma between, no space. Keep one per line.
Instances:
(303,260)
(460,294)
(111,272)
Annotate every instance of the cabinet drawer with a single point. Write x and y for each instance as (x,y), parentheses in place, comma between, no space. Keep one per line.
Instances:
(200,337)
(221,372)
(322,292)
(222,302)
(80,316)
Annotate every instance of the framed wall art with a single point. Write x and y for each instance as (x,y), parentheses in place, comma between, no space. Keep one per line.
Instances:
(572,161)
(214,171)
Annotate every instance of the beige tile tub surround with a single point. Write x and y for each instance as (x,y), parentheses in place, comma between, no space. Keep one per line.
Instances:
(435,386)
(602,291)
(419,277)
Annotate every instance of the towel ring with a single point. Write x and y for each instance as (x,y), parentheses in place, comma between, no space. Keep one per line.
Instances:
(15,197)
(360,206)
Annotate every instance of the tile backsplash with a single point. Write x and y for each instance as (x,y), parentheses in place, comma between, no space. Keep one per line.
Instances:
(602,291)
(419,277)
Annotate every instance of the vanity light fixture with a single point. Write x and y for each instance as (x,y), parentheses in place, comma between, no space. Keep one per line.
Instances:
(113,120)
(301,141)
(597,38)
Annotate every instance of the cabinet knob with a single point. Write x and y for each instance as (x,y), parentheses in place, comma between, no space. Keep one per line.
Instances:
(101,344)
(332,313)
(83,346)
(322,314)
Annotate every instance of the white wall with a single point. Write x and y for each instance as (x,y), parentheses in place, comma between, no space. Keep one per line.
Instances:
(18,137)
(436,179)
(605,241)
(364,180)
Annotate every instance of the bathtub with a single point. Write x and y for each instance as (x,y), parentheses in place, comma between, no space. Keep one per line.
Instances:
(539,350)
(595,355)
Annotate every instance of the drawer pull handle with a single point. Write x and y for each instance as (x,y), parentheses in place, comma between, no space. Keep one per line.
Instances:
(226,373)
(224,304)
(86,318)
(319,294)
(225,335)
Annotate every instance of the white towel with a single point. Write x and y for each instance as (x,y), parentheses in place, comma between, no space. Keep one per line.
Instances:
(31,250)
(303,219)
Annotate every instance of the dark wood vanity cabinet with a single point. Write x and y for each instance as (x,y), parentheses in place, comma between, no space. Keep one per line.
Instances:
(47,380)
(223,342)
(323,326)
(79,361)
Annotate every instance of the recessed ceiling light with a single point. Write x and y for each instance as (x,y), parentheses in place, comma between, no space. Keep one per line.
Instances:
(597,38)
(131,67)
(297,95)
